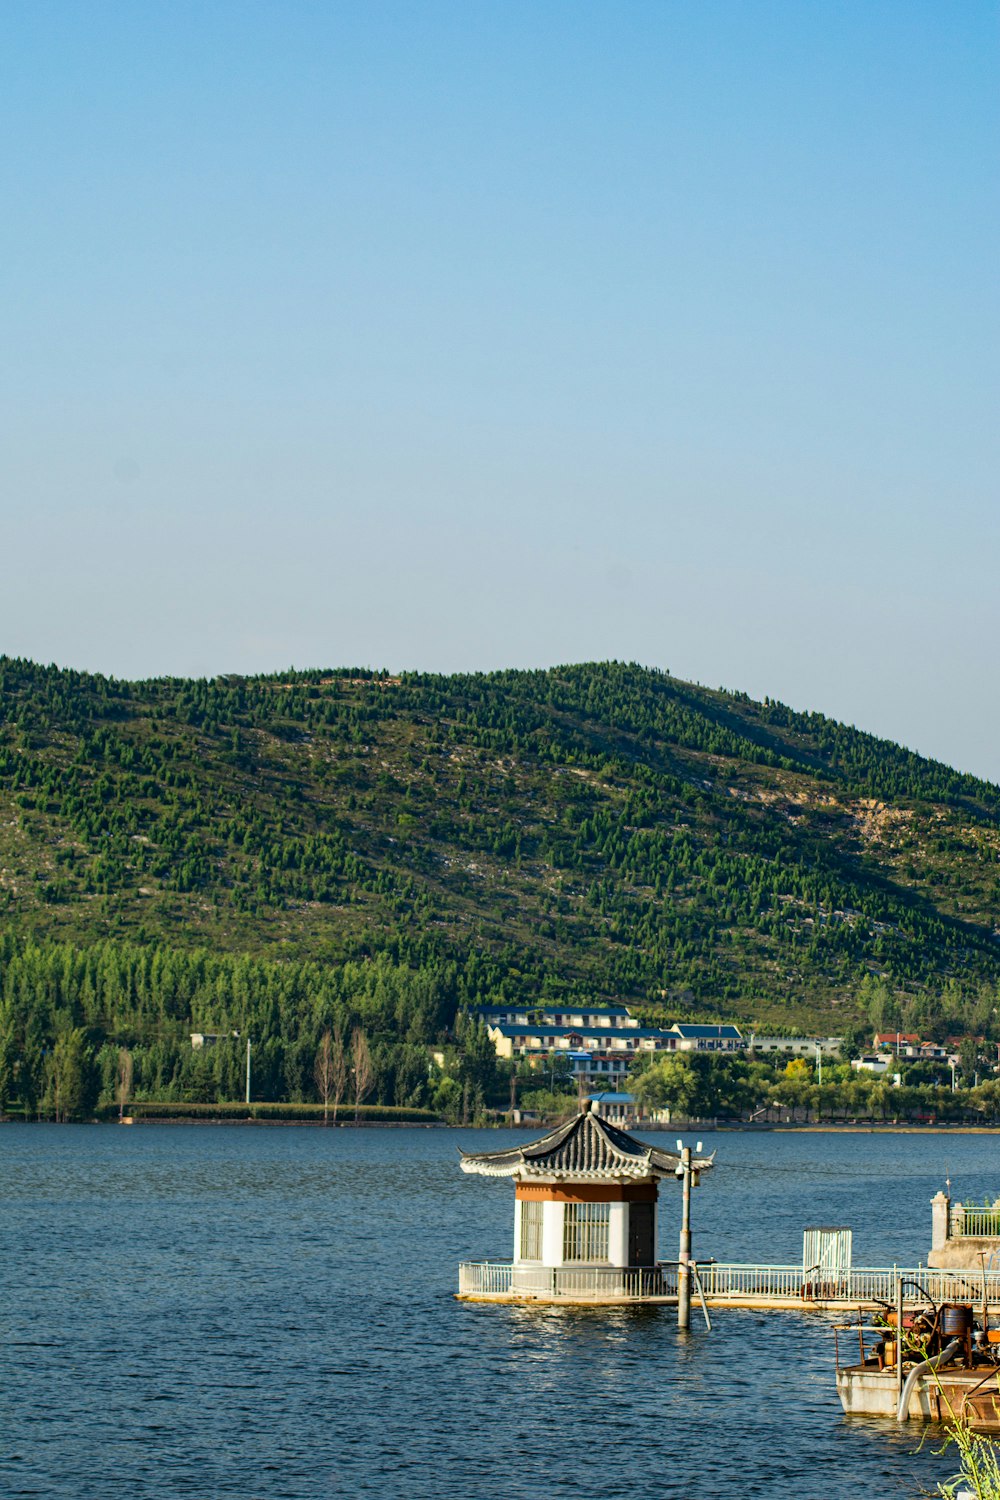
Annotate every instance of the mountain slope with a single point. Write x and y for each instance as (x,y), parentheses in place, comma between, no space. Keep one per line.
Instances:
(601,829)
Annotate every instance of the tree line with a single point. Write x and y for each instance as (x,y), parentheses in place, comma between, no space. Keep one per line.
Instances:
(70,1019)
(703,1086)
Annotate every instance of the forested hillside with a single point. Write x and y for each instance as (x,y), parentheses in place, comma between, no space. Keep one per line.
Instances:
(600,830)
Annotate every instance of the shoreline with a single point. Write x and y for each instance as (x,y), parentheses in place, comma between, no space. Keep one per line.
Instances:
(701,1125)
(270,1124)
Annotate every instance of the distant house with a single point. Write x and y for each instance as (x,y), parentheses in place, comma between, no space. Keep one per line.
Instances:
(593,1052)
(930,1052)
(708,1038)
(616,1107)
(877,1063)
(895,1041)
(517,1041)
(200,1039)
(599,1041)
(558,1016)
(907,1045)
(796,1046)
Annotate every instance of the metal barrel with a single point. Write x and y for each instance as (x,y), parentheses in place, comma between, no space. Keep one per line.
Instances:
(956,1320)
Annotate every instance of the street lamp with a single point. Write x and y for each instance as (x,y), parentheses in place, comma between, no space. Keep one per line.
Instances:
(685,1171)
(236,1034)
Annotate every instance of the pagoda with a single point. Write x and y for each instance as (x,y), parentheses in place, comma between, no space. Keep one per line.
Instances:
(585,1214)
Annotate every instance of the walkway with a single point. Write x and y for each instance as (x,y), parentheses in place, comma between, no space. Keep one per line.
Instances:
(764,1287)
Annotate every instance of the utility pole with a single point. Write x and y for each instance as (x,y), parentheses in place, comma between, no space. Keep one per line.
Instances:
(248,1070)
(684,1259)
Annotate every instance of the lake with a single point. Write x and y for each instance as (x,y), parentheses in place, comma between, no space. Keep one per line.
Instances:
(265,1312)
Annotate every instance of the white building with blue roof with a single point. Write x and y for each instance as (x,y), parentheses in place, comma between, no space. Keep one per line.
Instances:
(558,1016)
(601,1041)
(708,1038)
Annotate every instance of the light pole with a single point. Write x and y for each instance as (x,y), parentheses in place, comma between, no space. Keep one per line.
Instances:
(236,1034)
(685,1171)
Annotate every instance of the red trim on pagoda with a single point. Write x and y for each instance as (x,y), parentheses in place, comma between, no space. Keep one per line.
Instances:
(586,1192)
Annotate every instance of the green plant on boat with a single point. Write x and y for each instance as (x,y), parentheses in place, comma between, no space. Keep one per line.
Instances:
(979,1475)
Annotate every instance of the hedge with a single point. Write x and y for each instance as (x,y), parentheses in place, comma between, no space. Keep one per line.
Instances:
(386,1114)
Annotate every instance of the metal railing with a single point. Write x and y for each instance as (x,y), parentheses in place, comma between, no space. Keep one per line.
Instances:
(722,1280)
(968,1220)
(492,1278)
(859,1284)
(734,1282)
(484,1277)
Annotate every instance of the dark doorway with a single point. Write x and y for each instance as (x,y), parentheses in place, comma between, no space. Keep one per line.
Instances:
(641,1250)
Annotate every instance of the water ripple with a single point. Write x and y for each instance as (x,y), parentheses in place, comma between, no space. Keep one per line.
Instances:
(231,1312)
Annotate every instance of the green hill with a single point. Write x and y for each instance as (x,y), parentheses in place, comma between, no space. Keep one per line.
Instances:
(601,830)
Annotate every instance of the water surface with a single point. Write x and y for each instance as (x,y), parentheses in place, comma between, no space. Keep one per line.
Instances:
(268,1312)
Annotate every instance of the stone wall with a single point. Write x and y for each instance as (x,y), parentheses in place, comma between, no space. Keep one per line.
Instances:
(958,1252)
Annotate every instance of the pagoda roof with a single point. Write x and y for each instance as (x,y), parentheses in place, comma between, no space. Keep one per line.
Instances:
(584,1149)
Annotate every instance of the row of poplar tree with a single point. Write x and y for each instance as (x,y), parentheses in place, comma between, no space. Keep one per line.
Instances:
(76,1023)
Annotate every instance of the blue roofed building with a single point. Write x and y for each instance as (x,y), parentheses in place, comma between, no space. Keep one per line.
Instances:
(708,1038)
(613,1105)
(599,1043)
(523,1014)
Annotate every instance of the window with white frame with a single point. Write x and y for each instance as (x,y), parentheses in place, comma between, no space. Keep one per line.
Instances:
(531,1230)
(585,1231)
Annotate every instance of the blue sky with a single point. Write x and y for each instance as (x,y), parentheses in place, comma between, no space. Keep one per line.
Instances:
(458,336)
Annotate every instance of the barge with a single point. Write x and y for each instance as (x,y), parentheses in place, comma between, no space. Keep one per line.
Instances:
(935,1365)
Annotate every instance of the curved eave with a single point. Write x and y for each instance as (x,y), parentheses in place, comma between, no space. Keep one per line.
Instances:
(526,1172)
(583,1149)
(663,1169)
(490,1169)
(599,1174)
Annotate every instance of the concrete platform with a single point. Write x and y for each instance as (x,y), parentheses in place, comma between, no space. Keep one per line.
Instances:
(937,1396)
(542,1299)
(754,1303)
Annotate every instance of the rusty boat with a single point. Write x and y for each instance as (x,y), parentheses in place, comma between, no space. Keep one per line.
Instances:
(935,1363)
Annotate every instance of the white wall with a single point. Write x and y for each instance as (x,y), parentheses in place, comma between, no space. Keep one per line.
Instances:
(618,1235)
(552,1232)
